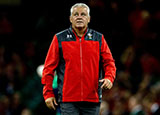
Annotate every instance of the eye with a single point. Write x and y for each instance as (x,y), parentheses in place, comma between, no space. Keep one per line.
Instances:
(76,14)
(83,14)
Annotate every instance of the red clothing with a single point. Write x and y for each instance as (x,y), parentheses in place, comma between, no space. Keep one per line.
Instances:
(79,63)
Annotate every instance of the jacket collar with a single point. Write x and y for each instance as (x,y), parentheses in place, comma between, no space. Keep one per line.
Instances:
(73,31)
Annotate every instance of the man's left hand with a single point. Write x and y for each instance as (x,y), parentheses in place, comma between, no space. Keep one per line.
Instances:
(107,84)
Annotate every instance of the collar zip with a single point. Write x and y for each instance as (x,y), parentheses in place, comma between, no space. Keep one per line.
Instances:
(77,37)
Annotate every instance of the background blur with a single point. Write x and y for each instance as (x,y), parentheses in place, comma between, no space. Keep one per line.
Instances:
(132,31)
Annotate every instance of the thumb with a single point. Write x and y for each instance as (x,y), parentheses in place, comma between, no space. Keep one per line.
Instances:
(101,80)
(55,101)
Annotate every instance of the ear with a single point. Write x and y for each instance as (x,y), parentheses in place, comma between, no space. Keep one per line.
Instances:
(89,19)
(70,18)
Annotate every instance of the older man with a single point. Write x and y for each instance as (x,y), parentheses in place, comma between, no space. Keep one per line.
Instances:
(79,55)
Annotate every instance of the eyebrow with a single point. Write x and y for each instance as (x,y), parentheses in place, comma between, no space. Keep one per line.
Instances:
(78,13)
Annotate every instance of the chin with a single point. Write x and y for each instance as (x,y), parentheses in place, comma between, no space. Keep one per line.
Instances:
(80,26)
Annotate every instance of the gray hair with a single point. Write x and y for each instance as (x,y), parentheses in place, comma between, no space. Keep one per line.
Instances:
(80,5)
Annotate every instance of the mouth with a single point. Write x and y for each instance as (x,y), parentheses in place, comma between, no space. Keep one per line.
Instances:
(79,21)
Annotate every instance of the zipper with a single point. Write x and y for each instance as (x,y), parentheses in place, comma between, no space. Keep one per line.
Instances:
(80,40)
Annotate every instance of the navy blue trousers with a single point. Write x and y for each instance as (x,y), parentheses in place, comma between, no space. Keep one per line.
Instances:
(79,108)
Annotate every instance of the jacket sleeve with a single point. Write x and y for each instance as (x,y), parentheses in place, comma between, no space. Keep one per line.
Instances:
(107,61)
(51,63)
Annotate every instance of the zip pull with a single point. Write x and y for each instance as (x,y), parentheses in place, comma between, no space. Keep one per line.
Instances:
(80,39)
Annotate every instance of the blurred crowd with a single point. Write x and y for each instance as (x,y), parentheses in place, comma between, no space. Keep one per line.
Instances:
(131,28)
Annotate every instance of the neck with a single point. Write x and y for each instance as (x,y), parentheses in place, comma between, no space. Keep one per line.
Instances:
(79,31)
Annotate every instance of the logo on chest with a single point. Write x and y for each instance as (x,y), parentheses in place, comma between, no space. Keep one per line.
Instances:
(90,36)
(69,36)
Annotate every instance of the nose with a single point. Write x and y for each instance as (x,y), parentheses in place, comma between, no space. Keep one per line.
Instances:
(79,17)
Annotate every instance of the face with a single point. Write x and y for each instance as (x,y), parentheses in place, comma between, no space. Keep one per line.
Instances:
(79,17)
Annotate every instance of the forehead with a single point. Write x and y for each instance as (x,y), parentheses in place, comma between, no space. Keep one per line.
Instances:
(80,9)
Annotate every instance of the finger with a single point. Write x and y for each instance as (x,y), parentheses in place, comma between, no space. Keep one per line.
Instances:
(52,106)
(103,85)
(101,80)
(109,85)
(55,102)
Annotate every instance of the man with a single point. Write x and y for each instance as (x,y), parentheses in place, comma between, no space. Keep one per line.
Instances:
(79,55)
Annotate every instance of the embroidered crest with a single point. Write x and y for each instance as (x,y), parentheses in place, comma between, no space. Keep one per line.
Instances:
(89,35)
(69,36)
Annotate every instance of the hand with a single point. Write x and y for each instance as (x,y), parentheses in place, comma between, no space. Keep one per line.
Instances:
(51,102)
(107,84)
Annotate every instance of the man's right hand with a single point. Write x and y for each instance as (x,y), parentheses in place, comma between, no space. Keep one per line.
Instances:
(51,102)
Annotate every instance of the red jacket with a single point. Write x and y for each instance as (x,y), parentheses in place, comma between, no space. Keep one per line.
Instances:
(80,64)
